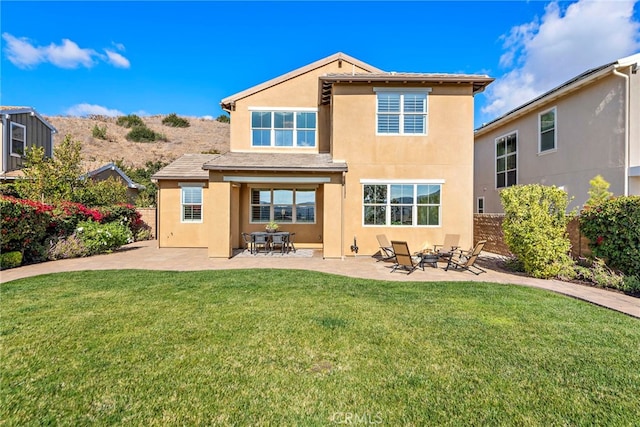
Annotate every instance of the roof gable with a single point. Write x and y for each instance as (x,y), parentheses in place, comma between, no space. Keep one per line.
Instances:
(9,110)
(228,102)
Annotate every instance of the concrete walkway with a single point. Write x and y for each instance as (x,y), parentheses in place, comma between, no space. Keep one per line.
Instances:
(146,255)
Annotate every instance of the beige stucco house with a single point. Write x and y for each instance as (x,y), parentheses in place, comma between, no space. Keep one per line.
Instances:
(337,151)
(587,126)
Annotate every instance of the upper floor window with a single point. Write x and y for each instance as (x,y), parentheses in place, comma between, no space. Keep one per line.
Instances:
(18,139)
(191,202)
(283,205)
(402,204)
(506,160)
(401,112)
(283,128)
(547,126)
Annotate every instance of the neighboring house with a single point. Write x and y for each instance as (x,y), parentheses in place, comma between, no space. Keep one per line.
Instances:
(111,170)
(22,127)
(337,151)
(587,126)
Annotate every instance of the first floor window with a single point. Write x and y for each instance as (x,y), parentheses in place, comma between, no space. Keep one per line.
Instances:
(402,204)
(283,128)
(191,203)
(480,205)
(283,205)
(18,139)
(506,160)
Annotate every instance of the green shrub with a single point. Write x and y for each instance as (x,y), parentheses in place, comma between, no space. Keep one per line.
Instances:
(107,192)
(99,132)
(127,215)
(223,118)
(144,134)
(613,229)
(68,247)
(129,121)
(534,227)
(631,284)
(101,238)
(24,227)
(10,259)
(597,272)
(174,121)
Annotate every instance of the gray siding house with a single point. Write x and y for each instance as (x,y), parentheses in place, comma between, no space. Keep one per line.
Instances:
(588,126)
(22,127)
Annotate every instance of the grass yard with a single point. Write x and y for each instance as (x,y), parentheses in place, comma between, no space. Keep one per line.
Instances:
(273,347)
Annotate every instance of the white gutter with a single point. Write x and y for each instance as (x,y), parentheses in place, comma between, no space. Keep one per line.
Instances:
(627,155)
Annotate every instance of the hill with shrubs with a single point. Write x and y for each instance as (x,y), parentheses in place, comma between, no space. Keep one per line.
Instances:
(136,140)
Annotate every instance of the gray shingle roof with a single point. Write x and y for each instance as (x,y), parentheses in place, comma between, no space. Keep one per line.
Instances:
(285,162)
(188,166)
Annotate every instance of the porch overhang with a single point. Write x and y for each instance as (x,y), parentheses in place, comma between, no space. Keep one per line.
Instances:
(275,162)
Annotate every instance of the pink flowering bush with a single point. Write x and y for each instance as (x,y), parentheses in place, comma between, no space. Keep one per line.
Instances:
(24,227)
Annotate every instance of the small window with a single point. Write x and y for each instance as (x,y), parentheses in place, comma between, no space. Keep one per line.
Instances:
(191,201)
(506,160)
(547,126)
(401,112)
(480,205)
(18,139)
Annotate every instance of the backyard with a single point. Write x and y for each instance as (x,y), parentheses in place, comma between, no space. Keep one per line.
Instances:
(291,347)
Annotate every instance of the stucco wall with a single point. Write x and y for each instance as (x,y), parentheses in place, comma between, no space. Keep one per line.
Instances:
(445,153)
(590,141)
(171,231)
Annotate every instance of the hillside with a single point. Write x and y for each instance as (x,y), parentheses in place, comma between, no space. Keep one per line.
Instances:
(202,136)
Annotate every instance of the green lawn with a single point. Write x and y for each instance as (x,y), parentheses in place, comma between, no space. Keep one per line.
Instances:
(273,347)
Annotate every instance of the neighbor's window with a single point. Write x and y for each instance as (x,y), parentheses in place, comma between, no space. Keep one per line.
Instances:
(18,139)
(506,160)
(480,205)
(402,204)
(401,112)
(547,122)
(191,203)
(283,128)
(283,205)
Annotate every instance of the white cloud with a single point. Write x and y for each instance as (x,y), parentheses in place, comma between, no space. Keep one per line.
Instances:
(560,46)
(92,109)
(117,60)
(207,117)
(24,54)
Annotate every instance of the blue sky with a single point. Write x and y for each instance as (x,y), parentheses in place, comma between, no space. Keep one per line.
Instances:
(159,57)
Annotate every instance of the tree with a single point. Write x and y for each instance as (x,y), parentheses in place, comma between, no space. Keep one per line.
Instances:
(52,180)
(598,191)
(223,118)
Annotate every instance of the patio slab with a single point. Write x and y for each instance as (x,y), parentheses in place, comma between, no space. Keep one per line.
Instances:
(146,255)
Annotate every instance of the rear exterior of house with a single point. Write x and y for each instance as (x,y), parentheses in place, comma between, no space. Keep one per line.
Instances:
(588,126)
(338,152)
(21,128)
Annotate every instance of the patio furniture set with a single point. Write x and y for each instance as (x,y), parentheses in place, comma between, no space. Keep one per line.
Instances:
(260,241)
(448,252)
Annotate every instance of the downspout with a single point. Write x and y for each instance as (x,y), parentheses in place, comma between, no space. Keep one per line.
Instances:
(626,130)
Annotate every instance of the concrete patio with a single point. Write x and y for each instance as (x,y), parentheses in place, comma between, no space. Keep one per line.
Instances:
(146,255)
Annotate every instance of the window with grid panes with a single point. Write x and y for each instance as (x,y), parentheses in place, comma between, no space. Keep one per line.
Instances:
(506,160)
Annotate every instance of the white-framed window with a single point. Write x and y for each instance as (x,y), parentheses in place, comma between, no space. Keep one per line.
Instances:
(18,139)
(507,160)
(283,127)
(191,202)
(401,112)
(480,205)
(283,205)
(547,130)
(402,204)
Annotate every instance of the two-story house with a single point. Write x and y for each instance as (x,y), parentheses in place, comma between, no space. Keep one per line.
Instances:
(336,151)
(22,127)
(588,126)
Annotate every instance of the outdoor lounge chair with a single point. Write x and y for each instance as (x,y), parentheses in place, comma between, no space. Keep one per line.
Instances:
(450,244)
(466,260)
(281,240)
(260,240)
(386,251)
(404,259)
(291,241)
(248,243)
